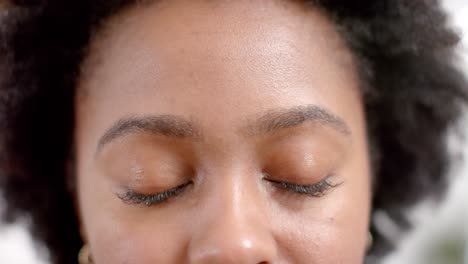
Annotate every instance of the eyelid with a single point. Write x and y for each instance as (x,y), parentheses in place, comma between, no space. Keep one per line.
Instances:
(318,189)
(134,198)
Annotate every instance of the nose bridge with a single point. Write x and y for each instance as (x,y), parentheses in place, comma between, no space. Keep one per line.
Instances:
(234,229)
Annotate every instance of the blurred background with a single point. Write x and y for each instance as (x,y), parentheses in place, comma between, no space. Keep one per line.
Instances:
(442,229)
(441,236)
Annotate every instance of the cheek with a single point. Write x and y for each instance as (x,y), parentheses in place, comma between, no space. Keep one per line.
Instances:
(333,230)
(118,233)
(142,241)
(325,236)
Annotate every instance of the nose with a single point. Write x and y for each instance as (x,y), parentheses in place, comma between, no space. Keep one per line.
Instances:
(235,229)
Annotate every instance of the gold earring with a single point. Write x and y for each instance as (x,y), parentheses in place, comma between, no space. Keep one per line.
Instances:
(370,241)
(84,256)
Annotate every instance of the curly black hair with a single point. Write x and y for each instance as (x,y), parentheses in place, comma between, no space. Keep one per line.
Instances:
(405,51)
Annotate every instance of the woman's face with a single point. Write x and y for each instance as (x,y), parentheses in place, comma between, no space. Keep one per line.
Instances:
(221,132)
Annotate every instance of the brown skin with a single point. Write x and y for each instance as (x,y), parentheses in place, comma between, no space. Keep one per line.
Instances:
(229,98)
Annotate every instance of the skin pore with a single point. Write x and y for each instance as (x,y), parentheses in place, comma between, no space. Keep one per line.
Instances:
(221,132)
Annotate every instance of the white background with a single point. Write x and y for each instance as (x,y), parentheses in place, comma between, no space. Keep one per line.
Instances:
(435,225)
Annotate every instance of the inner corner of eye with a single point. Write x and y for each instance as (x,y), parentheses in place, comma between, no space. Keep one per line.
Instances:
(334,181)
(124,195)
(124,190)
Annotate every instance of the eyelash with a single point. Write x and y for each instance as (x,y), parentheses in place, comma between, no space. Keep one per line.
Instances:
(315,190)
(318,189)
(134,198)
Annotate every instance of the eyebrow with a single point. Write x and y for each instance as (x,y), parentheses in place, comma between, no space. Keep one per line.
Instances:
(177,127)
(274,120)
(166,125)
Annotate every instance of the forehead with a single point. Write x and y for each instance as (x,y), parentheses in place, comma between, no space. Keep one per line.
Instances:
(194,34)
(218,60)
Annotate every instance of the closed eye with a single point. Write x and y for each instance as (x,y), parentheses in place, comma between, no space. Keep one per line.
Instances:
(135,198)
(315,190)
